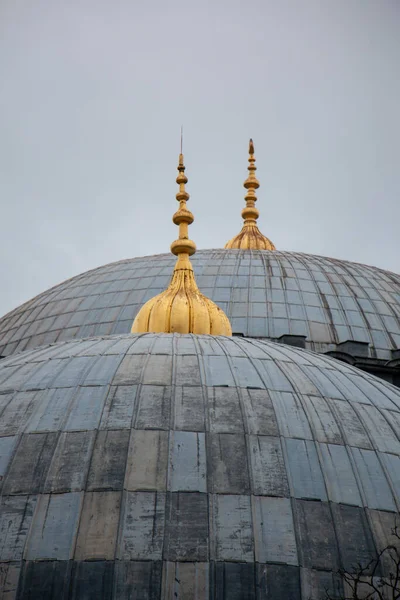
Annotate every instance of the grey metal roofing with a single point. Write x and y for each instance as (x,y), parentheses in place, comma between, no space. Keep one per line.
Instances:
(264,294)
(190,467)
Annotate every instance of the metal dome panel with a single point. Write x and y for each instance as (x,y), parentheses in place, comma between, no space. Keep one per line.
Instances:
(264,294)
(161,466)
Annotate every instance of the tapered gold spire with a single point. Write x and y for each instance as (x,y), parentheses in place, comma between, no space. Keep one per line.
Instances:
(251,238)
(182,308)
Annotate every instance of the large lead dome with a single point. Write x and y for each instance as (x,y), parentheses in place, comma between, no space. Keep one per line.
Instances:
(264,294)
(190,468)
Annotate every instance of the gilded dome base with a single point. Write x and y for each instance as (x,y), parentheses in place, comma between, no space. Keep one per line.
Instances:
(250,238)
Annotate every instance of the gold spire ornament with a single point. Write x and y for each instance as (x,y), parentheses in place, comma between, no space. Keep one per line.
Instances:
(250,238)
(182,308)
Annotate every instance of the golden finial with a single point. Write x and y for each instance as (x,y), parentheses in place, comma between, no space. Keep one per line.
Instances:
(251,238)
(182,308)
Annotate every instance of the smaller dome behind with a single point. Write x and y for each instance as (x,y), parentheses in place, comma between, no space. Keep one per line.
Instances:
(264,295)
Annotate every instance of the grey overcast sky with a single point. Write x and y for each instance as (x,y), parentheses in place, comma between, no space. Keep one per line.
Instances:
(93,94)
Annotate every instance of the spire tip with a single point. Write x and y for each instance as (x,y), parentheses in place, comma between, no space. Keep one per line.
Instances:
(181,307)
(250,238)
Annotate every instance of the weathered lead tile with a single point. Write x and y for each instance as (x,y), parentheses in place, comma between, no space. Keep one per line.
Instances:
(391,463)
(142,526)
(224,411)
(340,481)
(158,370)
(268,472)
(45,580)
(232,581)
(354,536)
(227,463)
(301,381)
(317,547)
(129,371)
(316,584)
(232,531)
(186,535)
(321,379)
(231,347)
(5,399)
(52,410)
(107,467)
(278,582)
(379,429)
(187,462)
(74,371)
(350,386)
(187,370)
(218,371)
(147,461)
(245,373)
(353,430)
(29,467)
(44,373)
(119,407)
(142,345)
(136,579)
(7,446)
(163,344)
(17,412)
(98,526)
(185,581)
(120,346)
(86,409)
(70,462)
(189,409)
(103,370)
(383,524)
(92,580)
(92,347)
(209,346)
(259,412)
(184,345)
(11,379)
(154,407)
(15,520)
(304,469)
(377,391)
(382,395)
(54,528)
(274,378)
(291,417)
(274,530)
(373,480)
(322,420)
(9,577)
(393,417)
(364,588)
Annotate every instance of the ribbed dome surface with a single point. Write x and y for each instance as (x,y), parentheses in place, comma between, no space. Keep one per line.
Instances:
(264,294)
(190,467)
